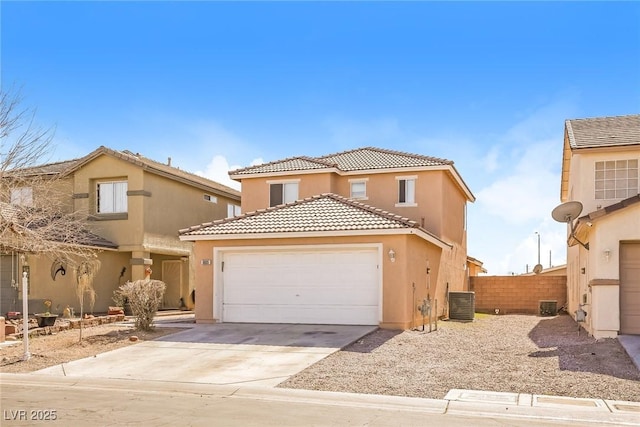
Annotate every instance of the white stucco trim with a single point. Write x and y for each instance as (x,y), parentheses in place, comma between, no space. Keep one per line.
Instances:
(301,235)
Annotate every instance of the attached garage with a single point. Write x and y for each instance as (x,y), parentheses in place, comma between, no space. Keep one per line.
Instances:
(340,284)
(630,288)
(321,260)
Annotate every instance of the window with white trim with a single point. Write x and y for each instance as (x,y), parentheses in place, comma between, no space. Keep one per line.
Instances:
(210,198)
(358,189)
(283,192)
(22,196)
(233,210)
(111,197)
(406,191)
(616,179)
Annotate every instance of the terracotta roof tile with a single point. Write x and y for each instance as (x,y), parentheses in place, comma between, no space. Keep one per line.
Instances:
(604,131)
(326,212)
(286,165)
(367,158)
(377,158)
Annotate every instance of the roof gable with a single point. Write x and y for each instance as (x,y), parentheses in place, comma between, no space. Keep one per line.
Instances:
(367,158)
(603,131)
(328,213)
(377,158)
(176,174)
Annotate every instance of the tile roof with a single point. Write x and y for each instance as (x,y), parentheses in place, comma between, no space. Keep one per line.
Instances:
(323,213)
(49,168)
(153,166)
(611,208)
(286,165)
(368,158)
(604,131)
(84,237)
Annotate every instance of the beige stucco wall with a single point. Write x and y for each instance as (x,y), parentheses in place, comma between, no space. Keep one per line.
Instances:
(400,298)
(61,291)
(440,205)
(582,174)
(600,282)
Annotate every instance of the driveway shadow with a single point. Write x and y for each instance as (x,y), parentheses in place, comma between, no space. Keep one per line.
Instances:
(562,337)
(371,341)
(289,335)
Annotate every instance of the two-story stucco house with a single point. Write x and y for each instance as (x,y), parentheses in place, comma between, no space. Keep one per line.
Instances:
(136,206)
(358,237)
(600,170)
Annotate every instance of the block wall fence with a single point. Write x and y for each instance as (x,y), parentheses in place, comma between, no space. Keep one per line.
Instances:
(517,294)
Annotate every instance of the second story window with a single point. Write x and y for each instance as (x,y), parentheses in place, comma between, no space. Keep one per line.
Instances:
(210,198)
(22,196)
(283,192)
(616,179)
(233,210)
(112,197)
(358,189)
(406,191)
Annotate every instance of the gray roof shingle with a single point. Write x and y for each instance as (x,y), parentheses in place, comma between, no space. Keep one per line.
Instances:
(323,213)
(368,158)
(604,131)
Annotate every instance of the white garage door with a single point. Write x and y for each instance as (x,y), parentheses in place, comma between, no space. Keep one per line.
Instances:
(336,286)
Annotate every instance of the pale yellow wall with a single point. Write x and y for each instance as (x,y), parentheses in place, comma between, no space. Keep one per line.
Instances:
(125,232)
(399,305)
(61,291)
(173,205)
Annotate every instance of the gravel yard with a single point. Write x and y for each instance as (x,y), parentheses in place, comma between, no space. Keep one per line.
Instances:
(511,353)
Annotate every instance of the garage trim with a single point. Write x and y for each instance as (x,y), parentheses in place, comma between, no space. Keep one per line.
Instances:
(218,253)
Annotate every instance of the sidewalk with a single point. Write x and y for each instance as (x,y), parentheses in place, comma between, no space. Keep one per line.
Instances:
(349,408)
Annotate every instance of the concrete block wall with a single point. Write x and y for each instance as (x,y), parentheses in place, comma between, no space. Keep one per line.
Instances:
(517,294)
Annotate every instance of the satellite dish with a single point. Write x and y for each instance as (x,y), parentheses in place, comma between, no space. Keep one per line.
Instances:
(567,212)
(537,269)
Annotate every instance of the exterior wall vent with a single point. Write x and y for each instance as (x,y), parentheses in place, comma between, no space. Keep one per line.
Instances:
(548,307)
(462,305)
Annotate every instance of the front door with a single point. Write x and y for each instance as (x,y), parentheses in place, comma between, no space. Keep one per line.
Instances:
(172,277)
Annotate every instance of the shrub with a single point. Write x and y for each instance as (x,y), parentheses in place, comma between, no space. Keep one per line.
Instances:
(144,297)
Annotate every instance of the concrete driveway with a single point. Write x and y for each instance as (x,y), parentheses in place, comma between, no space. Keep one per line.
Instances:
(227,353)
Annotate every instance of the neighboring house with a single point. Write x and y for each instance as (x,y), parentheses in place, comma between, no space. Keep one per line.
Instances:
(475,267)
(600,170)
(358,237)
(135,207)
(560,270)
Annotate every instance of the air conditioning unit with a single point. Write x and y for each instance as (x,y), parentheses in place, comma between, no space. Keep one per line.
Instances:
(548,307)
(462,305)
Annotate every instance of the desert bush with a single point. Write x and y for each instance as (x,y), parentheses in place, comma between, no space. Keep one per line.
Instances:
(144,298)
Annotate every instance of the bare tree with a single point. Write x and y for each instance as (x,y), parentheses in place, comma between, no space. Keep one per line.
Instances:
(37,214)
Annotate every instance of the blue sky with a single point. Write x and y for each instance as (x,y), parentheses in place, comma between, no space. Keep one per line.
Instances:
(219,85)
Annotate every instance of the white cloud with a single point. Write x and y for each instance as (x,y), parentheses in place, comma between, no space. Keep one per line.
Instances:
(218,170)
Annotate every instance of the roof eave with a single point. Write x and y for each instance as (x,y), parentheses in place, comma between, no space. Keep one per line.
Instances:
(310,234)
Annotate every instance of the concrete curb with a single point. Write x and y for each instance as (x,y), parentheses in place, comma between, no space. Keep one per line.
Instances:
(457,402)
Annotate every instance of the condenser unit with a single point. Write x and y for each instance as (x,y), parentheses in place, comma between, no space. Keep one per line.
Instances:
(462,305)
(548,308)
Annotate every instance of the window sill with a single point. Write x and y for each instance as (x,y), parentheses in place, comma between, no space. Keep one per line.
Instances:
(406,205)
(110,217)
(359,198)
